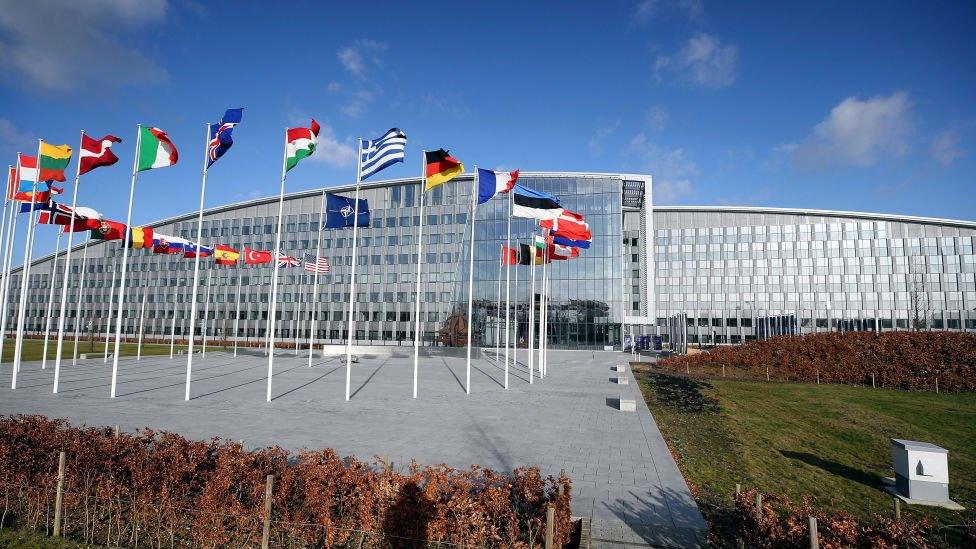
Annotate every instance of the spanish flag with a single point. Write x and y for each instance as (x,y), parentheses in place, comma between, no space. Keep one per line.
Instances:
(441,167)
(225,255)
(54,159)
(140,237)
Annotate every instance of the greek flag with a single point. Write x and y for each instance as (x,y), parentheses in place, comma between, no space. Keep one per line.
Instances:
(377,154)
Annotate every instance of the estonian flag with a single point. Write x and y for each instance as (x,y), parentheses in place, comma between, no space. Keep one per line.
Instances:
(535,204)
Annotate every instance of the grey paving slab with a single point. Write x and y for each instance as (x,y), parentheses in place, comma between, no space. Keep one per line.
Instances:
(624,477)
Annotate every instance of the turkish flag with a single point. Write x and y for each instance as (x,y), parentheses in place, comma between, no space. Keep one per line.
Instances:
(256,257)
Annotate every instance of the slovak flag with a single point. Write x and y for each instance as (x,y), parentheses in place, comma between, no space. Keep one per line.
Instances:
(165,244)
(256,257)
(221,139)
(491,183)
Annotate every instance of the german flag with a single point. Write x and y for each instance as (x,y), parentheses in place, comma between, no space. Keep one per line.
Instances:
(440,168)
(225,255)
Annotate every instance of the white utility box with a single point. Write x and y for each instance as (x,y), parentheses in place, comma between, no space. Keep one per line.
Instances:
(921,470)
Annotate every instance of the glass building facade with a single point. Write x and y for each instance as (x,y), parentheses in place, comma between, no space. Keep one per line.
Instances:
(726,274)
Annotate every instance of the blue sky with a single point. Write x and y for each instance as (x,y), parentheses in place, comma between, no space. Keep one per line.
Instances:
(856,106)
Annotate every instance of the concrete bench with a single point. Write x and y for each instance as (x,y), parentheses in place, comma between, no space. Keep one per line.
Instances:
(621,380)
(626,404)
(619,368)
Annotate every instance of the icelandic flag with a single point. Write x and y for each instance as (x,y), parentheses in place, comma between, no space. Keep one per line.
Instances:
(340,210)
(491,183)
(220,135)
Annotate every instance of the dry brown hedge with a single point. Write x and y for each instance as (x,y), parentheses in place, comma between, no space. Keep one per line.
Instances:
(906,360)
(162,490)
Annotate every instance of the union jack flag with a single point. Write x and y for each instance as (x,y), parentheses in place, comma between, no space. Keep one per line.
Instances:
(288,261)
(220,135)
(318,265)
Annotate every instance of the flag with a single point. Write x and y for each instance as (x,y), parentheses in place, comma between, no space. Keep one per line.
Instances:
(301,143)
(96,153)
(340,210)
(377,154)
(54,159)
(560,252)
(60,214)
(155,149)
(109,230)
(288,261)
(539,248)
(510,256)
(25,184)
(11,179)
(140,237)
(225,255)
(535,204)
(86,219)
(318,265)
(570,225)
(491,183)
(221,139)
(525,254)
(256,257)
(165,244)
(585,244)
(28,207)
(440,167)
(191,250)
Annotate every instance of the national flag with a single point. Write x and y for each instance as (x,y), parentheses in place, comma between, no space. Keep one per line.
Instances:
(539,248)
(221,139)
(288,261)
(510,256)
(491,183)
(11,180)
(191,250)
(256,257)
(314,264)
(340,210)
(560,252)
(109,230)
(96,153)
(570,225)
(25,186)
(86,219)
(440,167)
(225,255)
(535,204)
(379,153)
(525,254)
(140,237)
(165,244)
(585,244)
(54,159)
(155,149)
(61,214)
(29,207)
(301,143)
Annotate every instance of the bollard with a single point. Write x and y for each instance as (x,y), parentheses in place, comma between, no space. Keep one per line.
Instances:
(266,533)
(767,373)
(818,377)
(738,488)
(550,524)
(936,385)
(58,496)
(117,431)
(897,508)
(814,536)
(723,370)
(759,506)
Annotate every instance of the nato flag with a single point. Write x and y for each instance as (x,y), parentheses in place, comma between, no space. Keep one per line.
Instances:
(340,210)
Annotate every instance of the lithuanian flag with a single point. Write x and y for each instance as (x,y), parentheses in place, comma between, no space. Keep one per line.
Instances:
(54,159)
(440,168)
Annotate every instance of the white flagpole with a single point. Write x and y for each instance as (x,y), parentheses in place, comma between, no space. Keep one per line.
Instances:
(196,265)
(518,246)
(498,310)
(142,321)
(351,322)
(108,318)
(274,277)
(25,275)
(532,308)
(474,209)
(545,318)
(237,315)
(125,263)
(542,310)
(508,302)
(206,315)
(420,262)
(313,322)
(78,313)
(294,323)
(7,260)
(50,298)
(67,270)
(172,328)
(4,230)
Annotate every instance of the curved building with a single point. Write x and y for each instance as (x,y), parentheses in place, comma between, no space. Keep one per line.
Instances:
(698,275)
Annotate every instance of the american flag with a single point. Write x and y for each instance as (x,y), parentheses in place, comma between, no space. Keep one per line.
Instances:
(288,261)
(313,264)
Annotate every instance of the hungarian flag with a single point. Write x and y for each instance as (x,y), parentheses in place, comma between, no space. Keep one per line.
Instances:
(54,159)
(301,143)
(510,256)
(109,230)
(225,255)
(192,250)
(140,237)
(440,167)
(155,149)
(96,153)
(256,257)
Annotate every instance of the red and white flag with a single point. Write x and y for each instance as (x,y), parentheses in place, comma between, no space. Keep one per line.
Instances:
(256,257)
(96,153)
(560,252)
(570,225)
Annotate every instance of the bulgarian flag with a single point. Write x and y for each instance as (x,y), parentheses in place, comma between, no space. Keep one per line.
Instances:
(301,143)
(155,149)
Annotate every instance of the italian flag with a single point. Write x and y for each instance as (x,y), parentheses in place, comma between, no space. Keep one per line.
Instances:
(155,149)
(301,143)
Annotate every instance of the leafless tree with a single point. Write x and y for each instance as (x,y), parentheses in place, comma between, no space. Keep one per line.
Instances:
(918,302)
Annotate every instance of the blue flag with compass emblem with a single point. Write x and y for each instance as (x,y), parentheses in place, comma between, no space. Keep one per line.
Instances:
(340,211)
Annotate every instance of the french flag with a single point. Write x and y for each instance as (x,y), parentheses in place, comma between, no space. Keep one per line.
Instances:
(491,183)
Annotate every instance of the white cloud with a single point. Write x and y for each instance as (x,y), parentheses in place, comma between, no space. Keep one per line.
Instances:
(657,117)
(59,45)
(12,138)
(702,61)
(332,151)
(671,170)
(362,56)
(858,132)
(358,101)
(945,148)
(646,10)
(596,141)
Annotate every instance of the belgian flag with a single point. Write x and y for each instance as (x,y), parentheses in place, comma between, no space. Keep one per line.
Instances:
(440,167)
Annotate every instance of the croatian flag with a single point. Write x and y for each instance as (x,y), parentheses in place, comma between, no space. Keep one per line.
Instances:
(491,183)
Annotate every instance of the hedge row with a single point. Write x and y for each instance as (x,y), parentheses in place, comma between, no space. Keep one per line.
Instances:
(162,490)
(907,360)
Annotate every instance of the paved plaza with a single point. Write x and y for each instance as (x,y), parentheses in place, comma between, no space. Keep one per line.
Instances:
(624,478)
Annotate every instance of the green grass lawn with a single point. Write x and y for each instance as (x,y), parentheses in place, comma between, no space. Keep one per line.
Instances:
(19,538)
(34,347)
(826,441)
